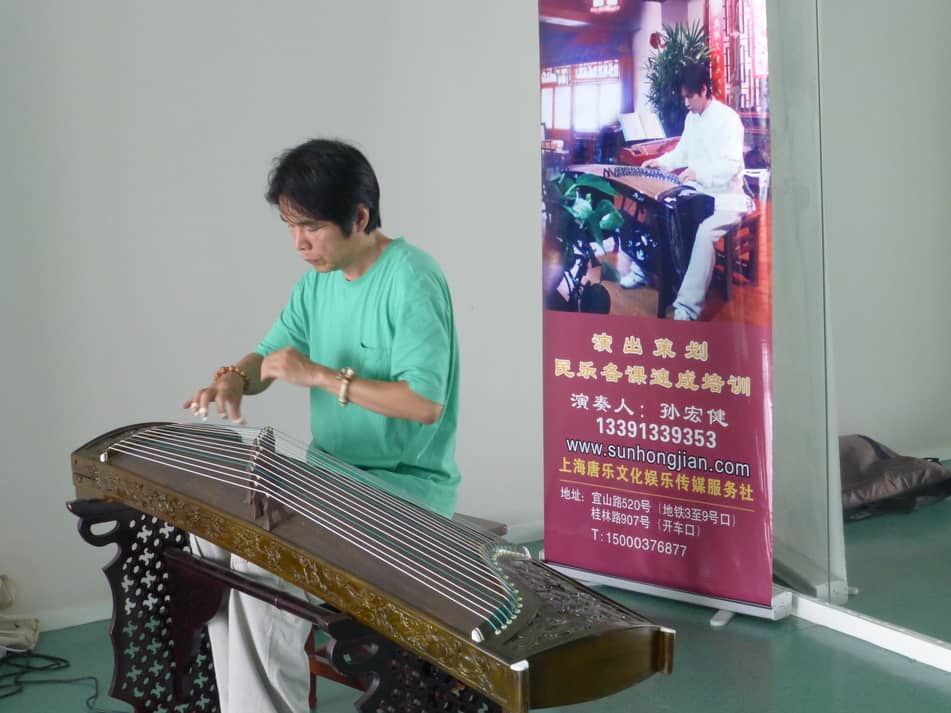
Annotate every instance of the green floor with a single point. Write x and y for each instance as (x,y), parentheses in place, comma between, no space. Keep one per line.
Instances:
(901,564)
(750,666)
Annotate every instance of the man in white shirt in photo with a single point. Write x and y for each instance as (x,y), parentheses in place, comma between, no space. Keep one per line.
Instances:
(711,153)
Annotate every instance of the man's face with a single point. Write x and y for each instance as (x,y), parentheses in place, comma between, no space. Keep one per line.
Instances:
(695,102)
(321,243)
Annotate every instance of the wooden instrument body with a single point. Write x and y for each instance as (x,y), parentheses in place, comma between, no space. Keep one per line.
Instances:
(568,644)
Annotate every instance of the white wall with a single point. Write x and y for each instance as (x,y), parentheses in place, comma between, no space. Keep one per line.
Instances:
(885,162)
(651,20)
(139,254)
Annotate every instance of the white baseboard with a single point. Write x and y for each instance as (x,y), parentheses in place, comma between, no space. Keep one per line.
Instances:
(52,619)
(905,642)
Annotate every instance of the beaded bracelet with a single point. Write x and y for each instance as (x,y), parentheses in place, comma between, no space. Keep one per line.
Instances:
(234,369)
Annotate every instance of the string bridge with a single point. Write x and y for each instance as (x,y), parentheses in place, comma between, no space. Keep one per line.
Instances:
(264,510)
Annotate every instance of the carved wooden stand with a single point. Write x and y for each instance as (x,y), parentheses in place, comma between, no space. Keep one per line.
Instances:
(162,597)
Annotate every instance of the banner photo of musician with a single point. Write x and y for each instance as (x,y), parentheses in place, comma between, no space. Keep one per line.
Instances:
(657,292)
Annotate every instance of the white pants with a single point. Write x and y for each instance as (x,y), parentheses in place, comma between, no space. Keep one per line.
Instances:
(693,289)
(258,650)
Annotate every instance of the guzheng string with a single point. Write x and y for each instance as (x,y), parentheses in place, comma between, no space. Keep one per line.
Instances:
(292,485)
(331,467)
(271,484)
(334,468)
(433,574)
(323,489)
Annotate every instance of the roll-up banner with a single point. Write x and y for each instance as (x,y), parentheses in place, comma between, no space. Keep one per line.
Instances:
(656,272)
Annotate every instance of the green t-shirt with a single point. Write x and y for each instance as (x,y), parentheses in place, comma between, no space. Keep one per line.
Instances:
(393,323)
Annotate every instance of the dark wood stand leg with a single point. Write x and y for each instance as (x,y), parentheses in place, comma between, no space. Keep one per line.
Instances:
(667,290)
(163,596)
(145,674)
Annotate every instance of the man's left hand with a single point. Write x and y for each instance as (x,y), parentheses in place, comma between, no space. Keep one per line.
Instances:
(688,175)
(290,365)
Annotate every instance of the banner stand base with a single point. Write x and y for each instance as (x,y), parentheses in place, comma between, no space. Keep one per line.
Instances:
(721,618)
(779,608)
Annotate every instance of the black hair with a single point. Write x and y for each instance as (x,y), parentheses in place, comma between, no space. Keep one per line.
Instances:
(327,180)
(696,76)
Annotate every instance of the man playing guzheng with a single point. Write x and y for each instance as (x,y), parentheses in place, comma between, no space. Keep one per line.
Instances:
(369,331)
(711,153)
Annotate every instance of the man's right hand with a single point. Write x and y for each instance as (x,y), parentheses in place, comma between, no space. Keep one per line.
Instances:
(652,163)
(225,393)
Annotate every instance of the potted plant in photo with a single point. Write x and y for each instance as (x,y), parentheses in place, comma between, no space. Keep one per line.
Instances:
(581,213)
(677,46)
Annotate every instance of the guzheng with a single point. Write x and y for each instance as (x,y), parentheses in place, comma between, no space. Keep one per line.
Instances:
(479,608)
(650,183)
(674,211)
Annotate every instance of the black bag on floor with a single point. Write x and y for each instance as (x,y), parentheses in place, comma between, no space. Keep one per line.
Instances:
(876,480)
